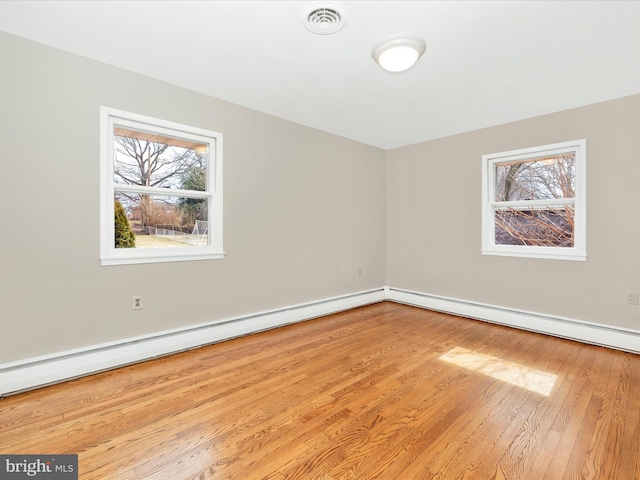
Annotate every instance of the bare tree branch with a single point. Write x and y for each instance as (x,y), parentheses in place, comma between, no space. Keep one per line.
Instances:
(151,164)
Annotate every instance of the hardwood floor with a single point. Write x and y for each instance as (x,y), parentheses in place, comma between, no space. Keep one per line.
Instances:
(386,391)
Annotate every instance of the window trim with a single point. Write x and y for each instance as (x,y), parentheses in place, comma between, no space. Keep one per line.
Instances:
(109,255)
(579,249)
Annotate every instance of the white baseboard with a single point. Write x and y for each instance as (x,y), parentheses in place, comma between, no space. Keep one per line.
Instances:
(36,372)
(586,332)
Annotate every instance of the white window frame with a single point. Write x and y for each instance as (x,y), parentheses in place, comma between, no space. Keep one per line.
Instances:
(109,255)
(489,204)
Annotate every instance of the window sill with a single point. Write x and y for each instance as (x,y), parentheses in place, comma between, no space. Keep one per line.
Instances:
(164,258)
(540,255)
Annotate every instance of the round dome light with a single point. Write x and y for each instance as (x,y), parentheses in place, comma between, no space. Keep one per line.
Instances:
(398,53)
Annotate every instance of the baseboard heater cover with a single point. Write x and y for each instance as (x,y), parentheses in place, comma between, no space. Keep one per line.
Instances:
(586,332)
(45,370)
(40,371)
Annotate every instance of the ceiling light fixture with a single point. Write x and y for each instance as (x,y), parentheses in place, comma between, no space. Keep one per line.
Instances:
(398,53)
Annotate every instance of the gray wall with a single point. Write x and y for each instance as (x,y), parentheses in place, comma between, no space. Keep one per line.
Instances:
(303,210)
(434,218)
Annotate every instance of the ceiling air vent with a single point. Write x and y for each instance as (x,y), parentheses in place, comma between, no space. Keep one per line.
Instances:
(324,18)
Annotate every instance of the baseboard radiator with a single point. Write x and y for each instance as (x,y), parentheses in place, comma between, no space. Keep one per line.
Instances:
(40,371)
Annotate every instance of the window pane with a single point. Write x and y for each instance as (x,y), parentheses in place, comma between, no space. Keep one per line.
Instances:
(543,227)
(160,221)
(536,179)
(142,158)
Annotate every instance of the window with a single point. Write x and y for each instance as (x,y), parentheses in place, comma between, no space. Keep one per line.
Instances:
(534,202)
(161,190)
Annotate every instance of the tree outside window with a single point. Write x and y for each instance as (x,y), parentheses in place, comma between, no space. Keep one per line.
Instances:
(534,202)
(166,178)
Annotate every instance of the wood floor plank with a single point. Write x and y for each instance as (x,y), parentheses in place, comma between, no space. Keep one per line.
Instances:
(580,420)
(631,420)
(463,432)
(518,461)
(566,373)
(384,392)
(611,462)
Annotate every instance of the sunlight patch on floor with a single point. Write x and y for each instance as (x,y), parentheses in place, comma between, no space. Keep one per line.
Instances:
(514,373)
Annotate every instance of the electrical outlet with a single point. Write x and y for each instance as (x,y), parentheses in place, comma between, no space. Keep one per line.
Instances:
(137,302)
(359,271)
(632,298)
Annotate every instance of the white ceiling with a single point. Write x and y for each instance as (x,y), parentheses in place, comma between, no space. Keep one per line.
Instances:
(487,62)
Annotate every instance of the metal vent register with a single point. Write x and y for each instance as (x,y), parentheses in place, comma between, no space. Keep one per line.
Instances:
(324,18)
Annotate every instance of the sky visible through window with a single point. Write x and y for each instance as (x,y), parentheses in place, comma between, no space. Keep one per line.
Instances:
(146,160)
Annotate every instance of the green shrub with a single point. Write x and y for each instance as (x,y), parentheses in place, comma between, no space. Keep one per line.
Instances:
(124,237)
